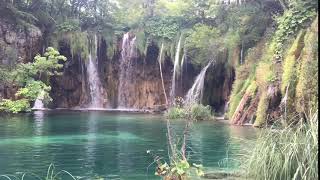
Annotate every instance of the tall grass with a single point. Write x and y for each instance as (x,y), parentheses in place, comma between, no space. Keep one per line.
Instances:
(290,153)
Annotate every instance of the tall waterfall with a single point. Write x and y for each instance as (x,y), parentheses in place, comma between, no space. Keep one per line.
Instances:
(128,52)
(95,86)
(175,71)
(195,94)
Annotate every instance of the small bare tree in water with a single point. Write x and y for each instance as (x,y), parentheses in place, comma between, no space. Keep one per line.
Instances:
(178,167)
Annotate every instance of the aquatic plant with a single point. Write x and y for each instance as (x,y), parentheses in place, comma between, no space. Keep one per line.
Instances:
(200,112)
(176,113)
(178,167)
(51,175)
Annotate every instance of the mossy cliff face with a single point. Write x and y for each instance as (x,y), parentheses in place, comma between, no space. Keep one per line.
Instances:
(268,88)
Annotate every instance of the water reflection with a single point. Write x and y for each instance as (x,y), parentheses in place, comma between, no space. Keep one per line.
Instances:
(38,122)
(90,146)
(111,146)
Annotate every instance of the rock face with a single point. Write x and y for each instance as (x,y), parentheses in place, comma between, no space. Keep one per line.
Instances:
(18,44)
(143,86)
(143,90)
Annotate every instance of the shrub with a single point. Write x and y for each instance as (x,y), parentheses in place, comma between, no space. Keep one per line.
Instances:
(176,113)
(200,112)
(32,90)
(291,153)
(21,105)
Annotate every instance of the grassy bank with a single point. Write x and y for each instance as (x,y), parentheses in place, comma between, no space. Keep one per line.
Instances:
(290,153)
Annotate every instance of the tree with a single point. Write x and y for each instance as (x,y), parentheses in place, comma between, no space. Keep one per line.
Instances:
(25,75)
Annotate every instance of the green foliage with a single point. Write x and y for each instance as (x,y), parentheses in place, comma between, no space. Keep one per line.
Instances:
(307,84)
(180,167)
(200,35)
(291,22)
(162,27)
(142,41)
(262,110)
(290,153)
(172,8)
(47,65)
(195,112)
(201,44)
(129,13)
(69,26)
(176,113)
(33,89)
(15,106)
(79,44)
(200,112)
(265,74)
(43,68)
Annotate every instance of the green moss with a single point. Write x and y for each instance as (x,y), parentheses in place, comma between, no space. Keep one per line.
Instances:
(307,83)
(265,74)
(242,82)
(289,66)
(262,110)
(252,89)
(78,42)
(141,42)
(234,102)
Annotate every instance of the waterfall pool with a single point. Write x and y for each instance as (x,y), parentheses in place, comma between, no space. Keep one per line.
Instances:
(107,145)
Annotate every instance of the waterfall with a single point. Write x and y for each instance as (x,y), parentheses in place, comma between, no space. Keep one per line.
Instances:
(160,66)
(175,70)
(95,86)
(129,51)
(182,64)
(195,94)
(38,104)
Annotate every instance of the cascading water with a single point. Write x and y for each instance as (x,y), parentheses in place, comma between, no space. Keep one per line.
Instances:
(160,66)
(195,94)
(95,86)
(38,104)
(175,70)
(128,52)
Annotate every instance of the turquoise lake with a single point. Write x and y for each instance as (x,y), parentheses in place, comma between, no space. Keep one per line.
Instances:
(108,145)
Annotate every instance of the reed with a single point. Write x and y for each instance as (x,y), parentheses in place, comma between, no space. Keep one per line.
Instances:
(51,175)
(290,153)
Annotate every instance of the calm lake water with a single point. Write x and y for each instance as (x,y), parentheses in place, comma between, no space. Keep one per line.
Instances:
(105,145)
